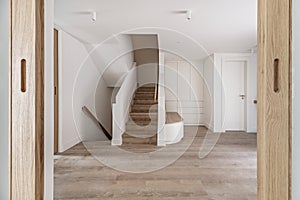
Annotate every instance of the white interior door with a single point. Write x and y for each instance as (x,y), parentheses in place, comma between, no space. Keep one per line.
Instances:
(234,79)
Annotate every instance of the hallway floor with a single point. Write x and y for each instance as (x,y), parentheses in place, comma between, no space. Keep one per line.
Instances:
(228,172)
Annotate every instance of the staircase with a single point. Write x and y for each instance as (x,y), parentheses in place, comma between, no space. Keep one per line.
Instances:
(142,125)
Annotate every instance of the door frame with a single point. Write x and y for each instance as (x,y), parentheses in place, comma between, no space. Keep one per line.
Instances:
(27,178)
(56,89)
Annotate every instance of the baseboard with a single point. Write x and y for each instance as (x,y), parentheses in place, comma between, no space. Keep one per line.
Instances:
(69,144)
(115,142)
(251,130)
(211,128)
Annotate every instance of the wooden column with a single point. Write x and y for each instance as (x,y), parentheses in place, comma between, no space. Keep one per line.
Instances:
(27,99)
(274,100)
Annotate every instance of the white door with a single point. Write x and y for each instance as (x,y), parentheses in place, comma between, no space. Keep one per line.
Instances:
(234,77)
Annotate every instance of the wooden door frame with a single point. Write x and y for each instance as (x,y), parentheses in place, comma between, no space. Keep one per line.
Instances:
(27,108)
(56,94)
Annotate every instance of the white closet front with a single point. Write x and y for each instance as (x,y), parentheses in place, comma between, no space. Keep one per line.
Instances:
(184,91)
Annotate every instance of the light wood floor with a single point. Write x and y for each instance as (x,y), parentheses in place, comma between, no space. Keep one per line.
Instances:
(227,173)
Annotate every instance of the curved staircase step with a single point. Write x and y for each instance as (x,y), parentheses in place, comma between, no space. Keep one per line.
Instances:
(129,139)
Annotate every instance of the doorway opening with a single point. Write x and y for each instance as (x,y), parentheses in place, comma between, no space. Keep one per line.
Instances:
(210,91)
(274,103)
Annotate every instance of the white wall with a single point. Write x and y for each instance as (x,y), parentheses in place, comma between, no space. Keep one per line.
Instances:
(87,75)
(113,57)
(147,73)
(84,91)
(4,101)
(103,104)
(208,73)
(49,101)
(252,94)
(218,92)
(296,100)
(146,57)
(71,56)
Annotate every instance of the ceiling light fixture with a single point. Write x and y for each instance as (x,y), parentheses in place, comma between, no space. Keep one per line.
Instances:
(94,16)
(188,14)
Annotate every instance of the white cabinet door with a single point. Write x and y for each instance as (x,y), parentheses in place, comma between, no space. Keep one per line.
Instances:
(171,80)
(196,84)
(184,91)
(184,80)
(171,106)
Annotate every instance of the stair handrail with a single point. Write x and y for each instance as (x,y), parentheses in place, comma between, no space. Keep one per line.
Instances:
(156,84)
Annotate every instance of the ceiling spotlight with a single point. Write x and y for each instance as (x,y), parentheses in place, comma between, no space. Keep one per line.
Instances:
(94,16)
(188,14)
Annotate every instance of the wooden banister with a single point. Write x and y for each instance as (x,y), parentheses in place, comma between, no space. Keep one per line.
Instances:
(156,84)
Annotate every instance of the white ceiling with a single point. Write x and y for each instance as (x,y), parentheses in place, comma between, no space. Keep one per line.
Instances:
(217,26)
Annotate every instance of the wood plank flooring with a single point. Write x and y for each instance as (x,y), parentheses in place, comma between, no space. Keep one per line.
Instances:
(227,173)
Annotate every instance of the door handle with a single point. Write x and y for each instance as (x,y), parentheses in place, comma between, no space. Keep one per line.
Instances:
(276,75)
(23,75)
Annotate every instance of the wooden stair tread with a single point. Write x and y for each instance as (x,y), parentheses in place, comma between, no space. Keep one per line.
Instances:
(128,139)
(146,95)
(143,109)
(144,100)
(141,123)
(143,113)
(173,117)
(144,92)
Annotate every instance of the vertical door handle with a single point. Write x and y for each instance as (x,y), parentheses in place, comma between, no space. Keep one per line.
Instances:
(276,75)
(23,75)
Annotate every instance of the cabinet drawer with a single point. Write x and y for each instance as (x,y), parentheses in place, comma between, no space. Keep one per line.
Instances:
(191,110)
(192,118)
(190,104)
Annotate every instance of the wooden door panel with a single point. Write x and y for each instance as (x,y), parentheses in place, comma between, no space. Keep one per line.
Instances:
(274,117)
(27,99)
